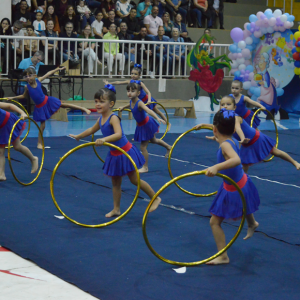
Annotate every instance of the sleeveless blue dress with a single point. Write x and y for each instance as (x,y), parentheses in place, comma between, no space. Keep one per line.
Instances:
(7,121)
(146,125)
(45,106)
(258,148)
(246,113)
(144,96)
(116,163)
(227,203)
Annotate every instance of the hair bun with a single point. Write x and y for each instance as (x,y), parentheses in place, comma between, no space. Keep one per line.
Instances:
(111,88)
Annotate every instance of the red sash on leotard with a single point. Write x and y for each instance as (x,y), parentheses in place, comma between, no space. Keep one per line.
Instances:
(7,115)
(126,148)
(43,103)
(145,121)
(247,114)
(255,138)
(145,99)
(241,184)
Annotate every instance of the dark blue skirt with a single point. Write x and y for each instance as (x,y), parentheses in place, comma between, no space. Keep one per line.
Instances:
(45,112)
(146,132)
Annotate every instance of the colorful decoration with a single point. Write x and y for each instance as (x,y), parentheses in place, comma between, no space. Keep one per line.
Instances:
(207,73)
(296,52)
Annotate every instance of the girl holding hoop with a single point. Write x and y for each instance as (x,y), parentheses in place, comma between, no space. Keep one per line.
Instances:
(7,121)
(116,164)
(45,106)
(144,95)
(227,203)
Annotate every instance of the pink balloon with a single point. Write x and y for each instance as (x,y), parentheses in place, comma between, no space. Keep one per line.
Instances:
(233,70)
(239,55)
(246,53)
(230,55)
(282,28)
(272,22)
(253,82)
(235,55)
(247,33)
(257,34)
(259,23)
(260,13)
(251,75)
(287,25)
(275,28)
(248,62)
(266,23)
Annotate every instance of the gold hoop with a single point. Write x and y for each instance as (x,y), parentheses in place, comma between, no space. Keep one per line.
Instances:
(276,129)
(118,109)
(196,263)
(167,116)
(26,112)
(96,150)
(169,165)
(103,224)
(9,158)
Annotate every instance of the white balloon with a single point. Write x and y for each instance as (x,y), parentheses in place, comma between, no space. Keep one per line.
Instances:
(242,44)
(283,18)
(234,64)
(242,67)
(246,85)
(270,29)
(240,61)
(264,30)
(249,40)
(292,24)
(277,13)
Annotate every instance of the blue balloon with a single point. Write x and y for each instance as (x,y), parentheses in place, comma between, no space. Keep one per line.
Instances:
(232,48)
(291,18)
(280,92)
(250,68)
(237,73)
(239,50)
(255,39)
(268,14)
(252,89)
(294,50)
(257,91)
(297,64)
(254,98)
(249,47)
(253,18)
(249,27)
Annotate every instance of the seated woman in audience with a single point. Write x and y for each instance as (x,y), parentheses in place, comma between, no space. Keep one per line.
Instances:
(88,49)
(30,43)
(177,52)
(5,29)
(61,6)
(168,24)
(201,10)
(111,52)
(70,17)
(123,8)
(182,28)
(106,7)
(85,14)
(50,15)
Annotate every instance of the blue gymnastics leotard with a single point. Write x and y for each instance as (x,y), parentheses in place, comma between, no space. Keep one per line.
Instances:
(227,203)
(146,125)
(258,148)
(116,163)
(45,106)
(246,113)
(144,96)
(7,121)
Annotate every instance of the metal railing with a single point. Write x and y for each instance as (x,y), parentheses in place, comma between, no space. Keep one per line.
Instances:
(283,7)
(163,66)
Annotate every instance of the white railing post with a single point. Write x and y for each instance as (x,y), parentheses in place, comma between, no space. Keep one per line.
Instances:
(161,58)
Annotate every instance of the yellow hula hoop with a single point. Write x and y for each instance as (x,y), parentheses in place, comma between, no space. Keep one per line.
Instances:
(276,129)
(196,263)
(167,116)
(18,103)
(169,165)
(103,224)
(9,158)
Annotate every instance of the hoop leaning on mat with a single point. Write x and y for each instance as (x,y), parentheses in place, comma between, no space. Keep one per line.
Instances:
(18,103)
(169,165)
(196,263)
(103,224)
(9,158)
(276,129)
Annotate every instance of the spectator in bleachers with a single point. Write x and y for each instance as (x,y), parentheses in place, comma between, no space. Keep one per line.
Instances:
(161,37)
(106,7)
(152,22)
(50,15)
(204,41)
(217,12)
(173,7)
(123,8)
(97,26)
(88,49)
(70,16)
(124,35)
(39,24)
(28,43)
(39,5)
(52,44)
(17,31)
(132,23)
(85,14)
(22,14)
(5,29)
(111,20)
(177,52)
(93,4)
(143,10)
(161,4)
(16,5)
(60,7)
(69,54)
(182,28)
(201,10)
(112,52)
(168,24)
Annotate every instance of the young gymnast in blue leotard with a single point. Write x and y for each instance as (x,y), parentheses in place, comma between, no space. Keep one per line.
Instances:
(228,204)
(45,106)
(144,95)
(240,100)
(7,121)
(146,126)
(116,164)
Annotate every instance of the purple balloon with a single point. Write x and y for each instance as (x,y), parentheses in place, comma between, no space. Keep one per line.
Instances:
(248,71)
(256,28)
(243,72)
(252,30)
(237,34)
(252,24)
(263,17)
